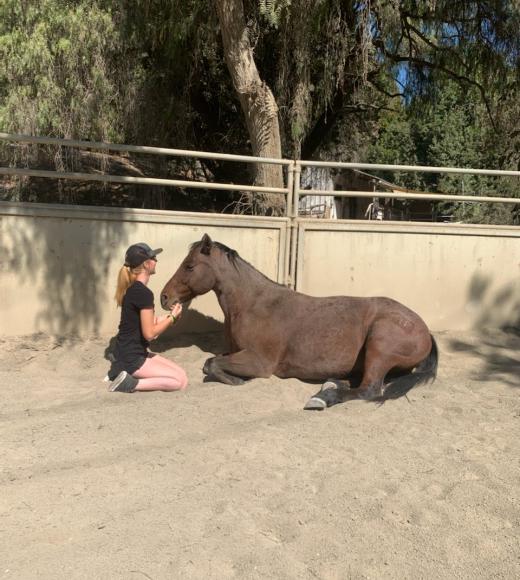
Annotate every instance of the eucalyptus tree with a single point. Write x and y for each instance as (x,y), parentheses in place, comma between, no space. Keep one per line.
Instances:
(63,70)
(323,69)
(63,73)
(297,78)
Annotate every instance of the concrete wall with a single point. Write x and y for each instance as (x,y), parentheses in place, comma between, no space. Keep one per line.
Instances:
(59,264)
(454,276)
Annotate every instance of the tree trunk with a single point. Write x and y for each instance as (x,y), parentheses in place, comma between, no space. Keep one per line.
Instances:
(257,100)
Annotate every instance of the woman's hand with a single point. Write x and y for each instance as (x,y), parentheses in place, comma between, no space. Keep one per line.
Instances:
(176,310)
(152,326)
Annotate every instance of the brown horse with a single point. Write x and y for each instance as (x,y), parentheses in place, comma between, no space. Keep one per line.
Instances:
(274,330)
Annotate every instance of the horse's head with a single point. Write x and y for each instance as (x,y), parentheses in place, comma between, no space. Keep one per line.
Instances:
(195,275)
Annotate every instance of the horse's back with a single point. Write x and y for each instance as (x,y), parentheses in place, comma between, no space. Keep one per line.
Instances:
(364,310)
(319,336)
(326,335)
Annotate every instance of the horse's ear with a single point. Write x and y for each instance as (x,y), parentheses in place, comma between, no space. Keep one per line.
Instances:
(205,245)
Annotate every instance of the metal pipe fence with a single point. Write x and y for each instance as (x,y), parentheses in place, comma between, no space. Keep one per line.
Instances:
(405,195)
(98,145)
(292,191)
(139,180)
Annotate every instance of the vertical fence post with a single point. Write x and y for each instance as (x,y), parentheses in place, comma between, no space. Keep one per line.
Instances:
(290,181)
(288,214)
(297,169)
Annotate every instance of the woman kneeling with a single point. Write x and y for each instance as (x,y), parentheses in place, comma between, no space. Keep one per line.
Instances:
(134,367)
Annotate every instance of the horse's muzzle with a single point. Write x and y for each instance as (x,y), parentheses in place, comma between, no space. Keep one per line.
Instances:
(167,302)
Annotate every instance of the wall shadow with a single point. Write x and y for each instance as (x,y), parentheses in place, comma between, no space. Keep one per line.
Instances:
(71,279)
(497,329)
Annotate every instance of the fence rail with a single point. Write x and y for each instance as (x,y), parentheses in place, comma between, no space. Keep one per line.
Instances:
(292,192)
(138,180)
(397,195)
(411,168)
(139,149)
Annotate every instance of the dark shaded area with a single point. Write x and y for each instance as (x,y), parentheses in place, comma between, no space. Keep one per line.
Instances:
(75,276)
(498,322)
(490,349)
(94,193)
(182,334)
(398,387)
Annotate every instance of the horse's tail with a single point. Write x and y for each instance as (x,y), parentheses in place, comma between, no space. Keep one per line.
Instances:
(425,372)
(428,367)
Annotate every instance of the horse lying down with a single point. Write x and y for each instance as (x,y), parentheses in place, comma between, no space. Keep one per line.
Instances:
(272,330)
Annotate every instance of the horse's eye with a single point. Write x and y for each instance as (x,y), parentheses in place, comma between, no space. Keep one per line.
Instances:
(189,267)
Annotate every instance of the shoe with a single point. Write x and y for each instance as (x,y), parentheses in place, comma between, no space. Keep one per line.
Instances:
(123,383)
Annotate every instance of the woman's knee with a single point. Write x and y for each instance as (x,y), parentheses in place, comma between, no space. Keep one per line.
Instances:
(182,377)
(177,378)
(176,372)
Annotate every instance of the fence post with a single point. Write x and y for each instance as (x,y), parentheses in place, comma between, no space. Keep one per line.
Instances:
(288,215)
(295,193)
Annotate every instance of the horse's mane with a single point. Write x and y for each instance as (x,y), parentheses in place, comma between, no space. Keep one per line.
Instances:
(230,253)
(234,258)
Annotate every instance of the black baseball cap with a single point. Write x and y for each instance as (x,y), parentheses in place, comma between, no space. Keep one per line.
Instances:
(139,253)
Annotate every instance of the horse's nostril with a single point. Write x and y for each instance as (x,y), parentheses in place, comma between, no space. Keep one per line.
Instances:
(164,299)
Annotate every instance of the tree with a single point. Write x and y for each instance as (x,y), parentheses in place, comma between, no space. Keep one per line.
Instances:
(63,70)
(256,98)
(450,127)
(331,63)
(299,78)
(63,74)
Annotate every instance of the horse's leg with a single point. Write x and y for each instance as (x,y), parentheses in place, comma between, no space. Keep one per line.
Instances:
(378,361)
(382,355)
(232,368)
(331,393)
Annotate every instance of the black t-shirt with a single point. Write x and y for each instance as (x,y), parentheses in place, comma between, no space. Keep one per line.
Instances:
(131,347)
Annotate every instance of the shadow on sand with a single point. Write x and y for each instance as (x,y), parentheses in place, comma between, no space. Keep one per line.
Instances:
(498,334)
(494,348)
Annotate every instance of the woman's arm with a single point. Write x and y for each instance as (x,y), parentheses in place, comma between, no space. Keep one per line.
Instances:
(153,326)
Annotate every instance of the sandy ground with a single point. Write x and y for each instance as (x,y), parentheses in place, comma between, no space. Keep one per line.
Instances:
(240,482)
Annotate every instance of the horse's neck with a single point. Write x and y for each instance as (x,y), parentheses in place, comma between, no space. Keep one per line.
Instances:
(241,289)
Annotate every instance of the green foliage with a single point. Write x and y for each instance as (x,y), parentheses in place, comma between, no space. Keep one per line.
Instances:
(59,70)
(449,127)
(271,10)
(154,72)
(396,146)
(456,131)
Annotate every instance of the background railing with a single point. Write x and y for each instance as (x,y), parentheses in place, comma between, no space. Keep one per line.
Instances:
(292,192)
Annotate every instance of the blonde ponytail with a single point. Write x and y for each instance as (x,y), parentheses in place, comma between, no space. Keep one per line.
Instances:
(125,279)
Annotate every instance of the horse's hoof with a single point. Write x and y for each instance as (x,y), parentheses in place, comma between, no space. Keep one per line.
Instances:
(206,369)
(235,381)
(315,404)
(330,394)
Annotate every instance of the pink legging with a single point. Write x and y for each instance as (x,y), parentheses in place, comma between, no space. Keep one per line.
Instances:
(160,374)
